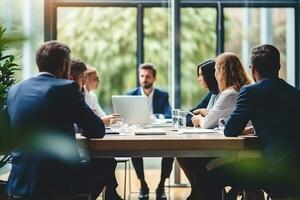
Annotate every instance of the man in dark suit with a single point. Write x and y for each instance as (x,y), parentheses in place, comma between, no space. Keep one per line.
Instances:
(45,107)
(273,107)
(158,102)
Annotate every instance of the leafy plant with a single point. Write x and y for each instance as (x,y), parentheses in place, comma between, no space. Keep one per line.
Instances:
(7,66)
(7,70)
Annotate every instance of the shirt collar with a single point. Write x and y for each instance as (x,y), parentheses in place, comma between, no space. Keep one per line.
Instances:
(46,73)
(150,95)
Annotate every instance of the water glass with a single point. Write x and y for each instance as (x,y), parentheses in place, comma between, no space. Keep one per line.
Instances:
(116,123)
(182,118)
(175,115)
(221,123)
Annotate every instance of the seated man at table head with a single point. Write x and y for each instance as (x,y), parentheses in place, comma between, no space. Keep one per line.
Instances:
(273,107)
(48,166)
(158,102)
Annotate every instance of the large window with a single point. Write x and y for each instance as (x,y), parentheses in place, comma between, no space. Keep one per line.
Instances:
(108,35)
(198,43)
(24,24)
(106,39)
(157,43)
(247,27)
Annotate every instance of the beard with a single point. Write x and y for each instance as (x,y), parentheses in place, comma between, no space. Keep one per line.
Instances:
(147,85)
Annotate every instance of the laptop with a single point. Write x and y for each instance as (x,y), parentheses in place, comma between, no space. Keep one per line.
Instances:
(133,109)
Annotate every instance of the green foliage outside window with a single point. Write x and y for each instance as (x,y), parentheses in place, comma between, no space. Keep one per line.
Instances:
(106,39)
(198,43)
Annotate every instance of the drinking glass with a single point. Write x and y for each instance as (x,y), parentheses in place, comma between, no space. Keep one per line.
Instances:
(182,118)
(175,115)
(222,122)
(116,123)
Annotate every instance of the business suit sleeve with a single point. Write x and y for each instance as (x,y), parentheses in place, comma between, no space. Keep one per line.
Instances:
(166,107)
(240,116)
(202,104)
(90,123)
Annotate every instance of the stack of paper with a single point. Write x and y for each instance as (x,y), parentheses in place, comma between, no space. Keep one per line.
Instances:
(197,131)
(150,131)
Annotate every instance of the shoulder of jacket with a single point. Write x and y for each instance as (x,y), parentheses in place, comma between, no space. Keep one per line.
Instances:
(133,91)
(160,91)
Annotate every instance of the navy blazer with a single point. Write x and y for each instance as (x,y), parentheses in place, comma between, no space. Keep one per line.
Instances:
(203,104)
(273,106)
(160,101)
(48,107)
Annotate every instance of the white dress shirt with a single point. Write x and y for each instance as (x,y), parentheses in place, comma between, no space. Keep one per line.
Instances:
(212,101)
(149,99)
(92,101)
(222,108)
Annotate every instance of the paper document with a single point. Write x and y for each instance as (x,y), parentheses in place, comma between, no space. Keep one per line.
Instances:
(197,131)
(150,131)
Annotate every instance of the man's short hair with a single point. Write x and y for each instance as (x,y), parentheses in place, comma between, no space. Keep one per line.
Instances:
(50,57)
(148,66)
(266,59)
(77,67)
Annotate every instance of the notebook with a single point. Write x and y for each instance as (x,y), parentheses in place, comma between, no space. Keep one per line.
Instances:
(150,131)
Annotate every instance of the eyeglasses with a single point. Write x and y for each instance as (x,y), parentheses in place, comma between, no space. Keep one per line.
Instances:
(96,79)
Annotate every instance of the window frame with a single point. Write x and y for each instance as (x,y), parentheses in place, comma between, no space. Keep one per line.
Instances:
(50,26)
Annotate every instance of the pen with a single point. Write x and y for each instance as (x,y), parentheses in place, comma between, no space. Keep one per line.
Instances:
(191,113)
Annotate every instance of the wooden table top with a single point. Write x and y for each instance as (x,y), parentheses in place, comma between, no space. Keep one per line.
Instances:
(169,144)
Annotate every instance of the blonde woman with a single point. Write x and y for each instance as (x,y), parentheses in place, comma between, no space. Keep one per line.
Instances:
(231,77)
(92,82)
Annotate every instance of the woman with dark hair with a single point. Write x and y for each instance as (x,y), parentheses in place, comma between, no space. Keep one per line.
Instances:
(206,78)
(231,76)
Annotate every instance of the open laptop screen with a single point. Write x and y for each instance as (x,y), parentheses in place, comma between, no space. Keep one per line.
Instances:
(133,109)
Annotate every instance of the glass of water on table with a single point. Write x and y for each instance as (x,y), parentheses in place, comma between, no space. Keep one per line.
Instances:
(175,116)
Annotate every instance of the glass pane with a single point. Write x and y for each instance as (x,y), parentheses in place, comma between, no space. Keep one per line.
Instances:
(106,39)
(157,43)
(24,23)
(247,27)
(198,43)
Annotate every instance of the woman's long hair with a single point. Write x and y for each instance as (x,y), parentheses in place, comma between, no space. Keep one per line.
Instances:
(231,71)
(208,73)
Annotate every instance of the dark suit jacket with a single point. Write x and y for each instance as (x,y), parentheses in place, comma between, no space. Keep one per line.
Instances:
(203,104)
(273,106)
(160,101)
(45,108)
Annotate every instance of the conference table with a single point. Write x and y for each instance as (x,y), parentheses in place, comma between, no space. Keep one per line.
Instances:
(172,144)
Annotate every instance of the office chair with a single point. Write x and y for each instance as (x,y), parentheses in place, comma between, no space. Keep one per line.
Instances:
(126,162)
